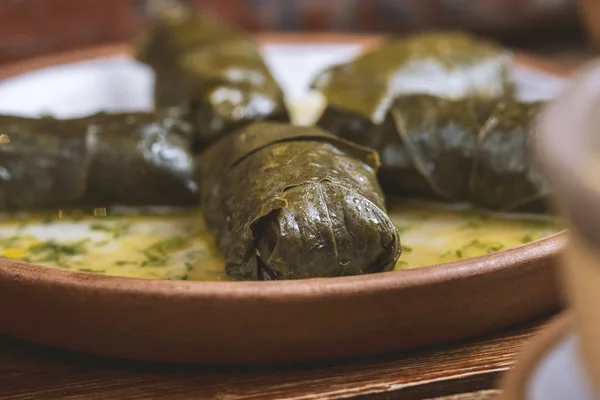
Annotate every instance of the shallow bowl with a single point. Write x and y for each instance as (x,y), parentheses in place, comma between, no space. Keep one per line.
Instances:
(267,322)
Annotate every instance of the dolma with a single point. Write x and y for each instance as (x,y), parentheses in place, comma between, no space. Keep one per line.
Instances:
(465,150)
(455,65)
(141,159)
(211,72)
(43,163)
(288,202)
(96,161)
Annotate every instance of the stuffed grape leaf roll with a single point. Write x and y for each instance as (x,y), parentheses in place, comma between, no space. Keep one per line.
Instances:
(466,150)
(96,161)
(140,159)
(43,163)
(288,202)
(211,72)
(504,175)
(455,65)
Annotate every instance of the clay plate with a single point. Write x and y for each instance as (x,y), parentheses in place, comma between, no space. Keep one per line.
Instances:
(266,322)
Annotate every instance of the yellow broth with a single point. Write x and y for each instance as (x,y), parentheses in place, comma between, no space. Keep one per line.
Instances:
(174,244)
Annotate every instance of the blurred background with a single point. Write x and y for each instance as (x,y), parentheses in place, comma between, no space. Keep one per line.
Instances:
(34,27)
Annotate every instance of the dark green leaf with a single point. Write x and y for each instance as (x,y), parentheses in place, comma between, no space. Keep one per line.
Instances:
(290,202)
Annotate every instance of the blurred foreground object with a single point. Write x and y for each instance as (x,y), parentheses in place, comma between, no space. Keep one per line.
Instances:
(31,27)
(568,149)
(590,13)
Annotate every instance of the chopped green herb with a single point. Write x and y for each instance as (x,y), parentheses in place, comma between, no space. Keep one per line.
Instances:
(97,226)
(179,278)
(406,249)
(188,266)
(125,262)
(154,263)
(151,256)
(94,271)
(54,252)
(48,220)
(60,249)
(166,245)
(458,253)
(494,248)
(472,243)
(122,229)
(116,230)
(401,264)
(153,260)
(482,245)
(526,239)
(156,254)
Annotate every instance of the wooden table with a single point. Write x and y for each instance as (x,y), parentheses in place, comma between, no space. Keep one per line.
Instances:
(33,372)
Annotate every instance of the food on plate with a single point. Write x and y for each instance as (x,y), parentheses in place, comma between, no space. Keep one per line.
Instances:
(210,72)
(503,175)
(141,159)
(96,161)
(467,150)
(441,111)
(279,201)
(288,202)
(358,94)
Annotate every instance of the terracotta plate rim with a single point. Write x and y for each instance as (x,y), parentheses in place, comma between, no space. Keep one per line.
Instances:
(509,259)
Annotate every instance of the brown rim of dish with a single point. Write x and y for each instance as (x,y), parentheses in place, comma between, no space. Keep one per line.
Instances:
(566,143)
(514,384)
(513,258)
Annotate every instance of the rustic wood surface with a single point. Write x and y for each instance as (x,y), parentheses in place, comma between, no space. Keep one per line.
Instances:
(33,372)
